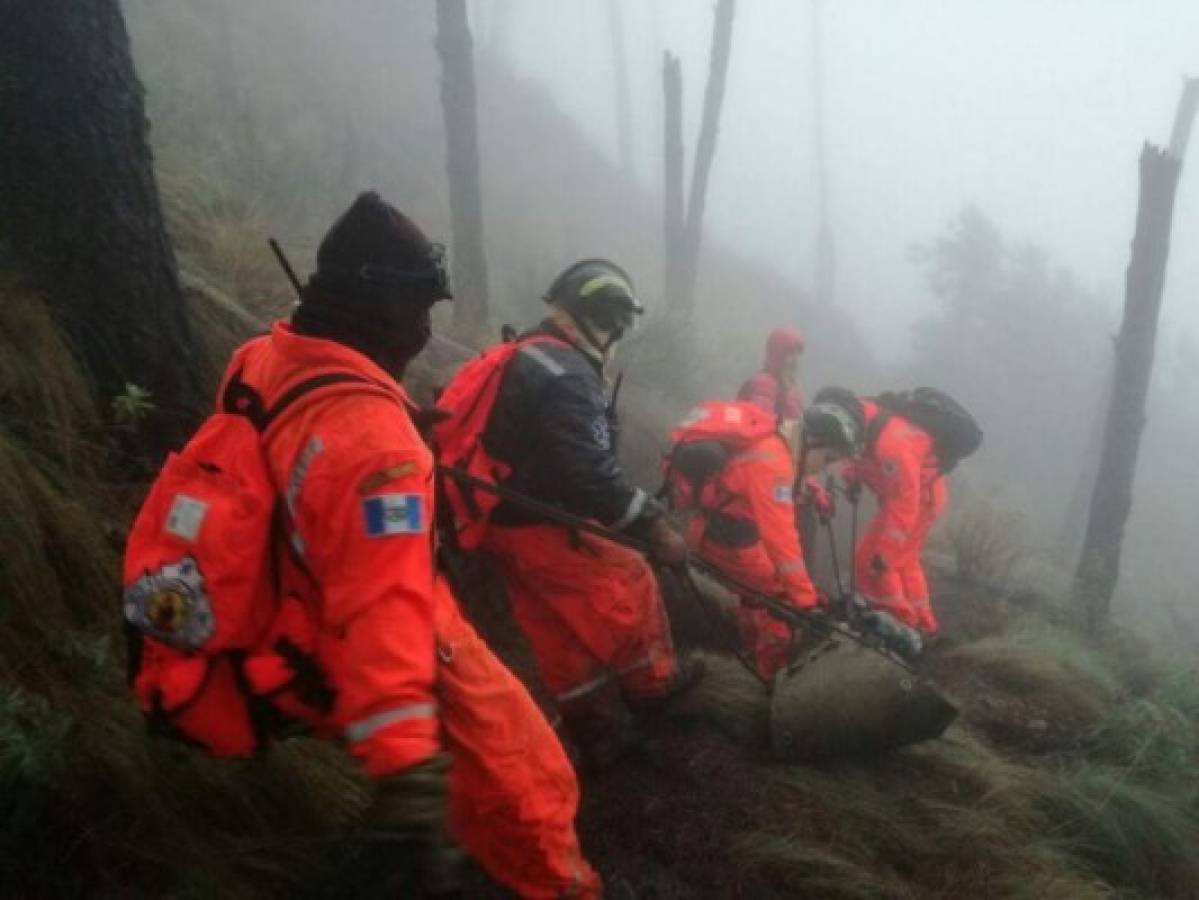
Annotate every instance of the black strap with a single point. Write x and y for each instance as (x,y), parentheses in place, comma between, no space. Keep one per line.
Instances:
(243,400)
(875,429)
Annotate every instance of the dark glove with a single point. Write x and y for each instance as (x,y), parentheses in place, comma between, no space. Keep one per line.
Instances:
(412,805)
(666,546)
(853,490)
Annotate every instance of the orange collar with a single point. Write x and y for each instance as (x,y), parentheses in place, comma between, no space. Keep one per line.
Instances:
(305,352)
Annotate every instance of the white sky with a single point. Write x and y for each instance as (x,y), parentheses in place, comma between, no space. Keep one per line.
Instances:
(1035,111)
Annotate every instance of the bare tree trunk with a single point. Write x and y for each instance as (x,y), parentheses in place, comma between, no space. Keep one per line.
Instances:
(672,91)
(467,257)
(624,114)
(1099,567)
(705,151)
(81,215)
(1074,521)
(825,251)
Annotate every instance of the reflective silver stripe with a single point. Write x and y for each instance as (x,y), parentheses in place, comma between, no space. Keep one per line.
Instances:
(636,505)
(647,660)
(584,689)
(793,566)
(539,356)
(295,481)
(359,731)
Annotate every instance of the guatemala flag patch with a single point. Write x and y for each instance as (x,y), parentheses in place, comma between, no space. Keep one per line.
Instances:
(388,514)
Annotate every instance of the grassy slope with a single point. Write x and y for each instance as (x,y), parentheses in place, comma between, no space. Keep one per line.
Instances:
(1068,775)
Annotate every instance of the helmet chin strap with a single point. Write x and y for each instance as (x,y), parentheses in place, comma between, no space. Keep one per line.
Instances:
(604,347)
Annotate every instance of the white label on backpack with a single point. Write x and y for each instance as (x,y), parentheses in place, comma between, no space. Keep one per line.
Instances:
(186,517)
(782,493)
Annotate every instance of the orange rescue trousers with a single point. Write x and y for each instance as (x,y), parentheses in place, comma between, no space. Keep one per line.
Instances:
(889,570)
(767,640)
(591,610)
(513,794)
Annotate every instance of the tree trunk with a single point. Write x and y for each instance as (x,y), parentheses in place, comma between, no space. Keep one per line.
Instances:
(81,215)
(825,251)
(1099,567)
(672,90)
(467,258)
(1074,521)
(624,114)
(705,151)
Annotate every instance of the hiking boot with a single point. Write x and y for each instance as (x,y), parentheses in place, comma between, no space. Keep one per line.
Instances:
(689,673)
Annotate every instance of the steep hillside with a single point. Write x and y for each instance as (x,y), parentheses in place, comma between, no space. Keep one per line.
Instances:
(271,126)
(1070,773)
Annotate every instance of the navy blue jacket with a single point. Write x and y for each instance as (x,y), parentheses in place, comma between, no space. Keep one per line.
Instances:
(552,424)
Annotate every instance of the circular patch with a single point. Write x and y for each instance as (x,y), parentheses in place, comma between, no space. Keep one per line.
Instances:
(171,605)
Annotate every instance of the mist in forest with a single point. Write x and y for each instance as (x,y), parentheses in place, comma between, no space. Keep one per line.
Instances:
(981,179)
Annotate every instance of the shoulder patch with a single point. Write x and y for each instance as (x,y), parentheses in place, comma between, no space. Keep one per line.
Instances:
(782,493)
(384,515)
(372,482)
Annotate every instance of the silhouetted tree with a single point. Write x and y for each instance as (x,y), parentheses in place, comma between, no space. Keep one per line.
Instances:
(459,105)
(80,214)
(705,152)
(672,90)
(825,288)
(1099,566)
(620,66)
(994,340)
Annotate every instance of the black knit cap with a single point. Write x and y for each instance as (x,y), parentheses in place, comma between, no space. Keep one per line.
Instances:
(374,253)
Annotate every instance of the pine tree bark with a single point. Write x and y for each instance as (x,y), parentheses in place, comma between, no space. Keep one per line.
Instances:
(80,215)
(705,152)
(1099,567)
(459,104)
(672,90)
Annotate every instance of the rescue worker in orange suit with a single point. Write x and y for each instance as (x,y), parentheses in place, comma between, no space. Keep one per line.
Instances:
(746,523)
(776,390)
(592,610)
(898,463)
(776,387)
(448,735)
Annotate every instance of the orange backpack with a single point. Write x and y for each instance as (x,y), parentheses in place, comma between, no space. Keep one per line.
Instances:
(467,402)
(702,445)
(217,657)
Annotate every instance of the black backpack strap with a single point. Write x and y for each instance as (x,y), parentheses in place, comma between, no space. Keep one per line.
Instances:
(298,391)
(240,398)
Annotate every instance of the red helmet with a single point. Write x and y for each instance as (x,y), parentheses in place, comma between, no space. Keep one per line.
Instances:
(781,344)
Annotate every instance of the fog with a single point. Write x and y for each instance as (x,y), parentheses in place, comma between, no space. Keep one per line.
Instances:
(267,115)
(1033,111)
